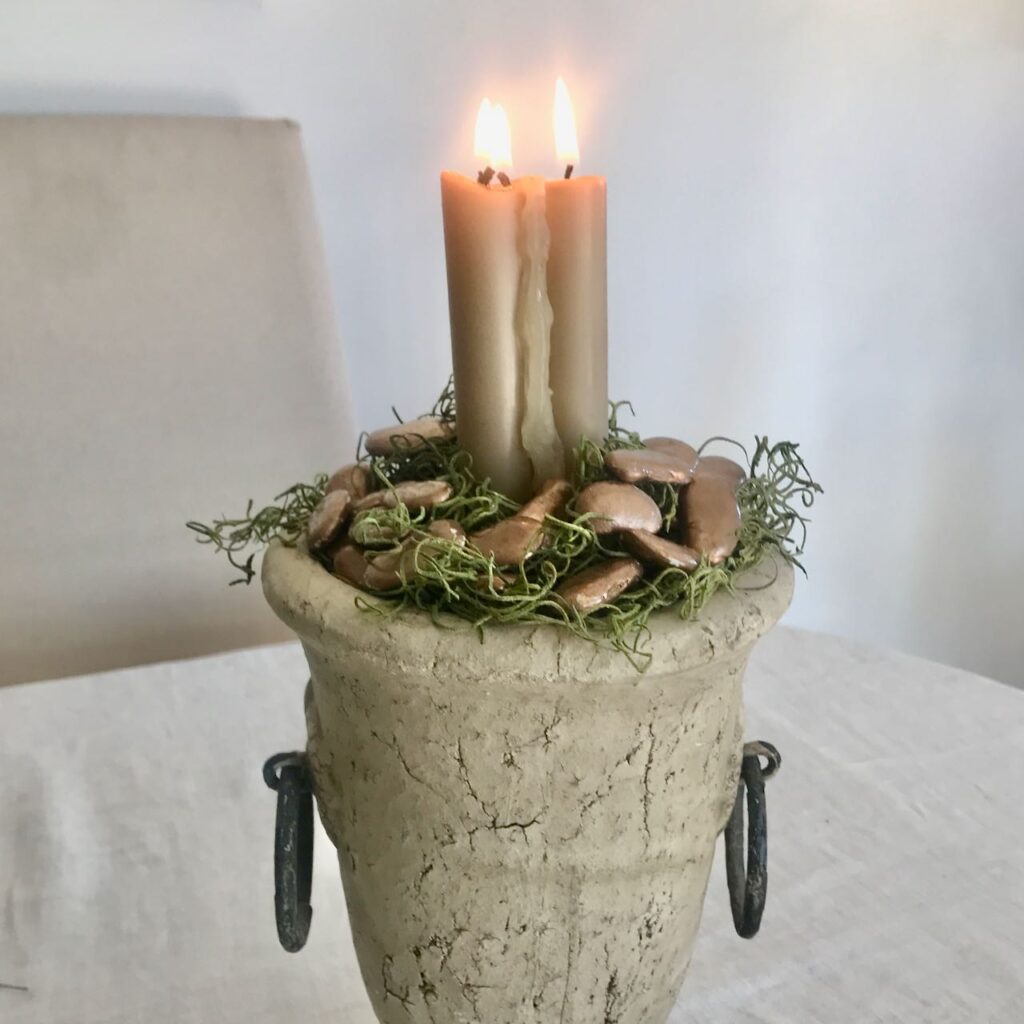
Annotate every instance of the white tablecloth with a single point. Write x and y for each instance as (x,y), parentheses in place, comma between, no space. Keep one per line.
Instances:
(136,850)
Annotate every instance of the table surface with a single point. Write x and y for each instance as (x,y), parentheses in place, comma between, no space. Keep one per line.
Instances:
(136,849)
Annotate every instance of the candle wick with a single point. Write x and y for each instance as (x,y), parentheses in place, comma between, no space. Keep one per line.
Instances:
(504,179)
(484,177)
(568,171)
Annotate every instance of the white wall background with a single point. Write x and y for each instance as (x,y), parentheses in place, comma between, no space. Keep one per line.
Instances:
(816,232)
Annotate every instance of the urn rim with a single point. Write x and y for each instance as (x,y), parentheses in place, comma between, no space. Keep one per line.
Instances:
(321,609)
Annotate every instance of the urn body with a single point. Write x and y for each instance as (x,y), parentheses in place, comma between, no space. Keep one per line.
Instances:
(525,823)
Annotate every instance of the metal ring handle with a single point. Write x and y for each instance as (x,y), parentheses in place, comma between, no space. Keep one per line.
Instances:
(748,887)
(288,775)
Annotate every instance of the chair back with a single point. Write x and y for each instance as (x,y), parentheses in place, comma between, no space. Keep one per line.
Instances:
(167,350)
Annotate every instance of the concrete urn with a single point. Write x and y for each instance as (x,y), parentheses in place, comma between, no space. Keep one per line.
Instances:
(526,824)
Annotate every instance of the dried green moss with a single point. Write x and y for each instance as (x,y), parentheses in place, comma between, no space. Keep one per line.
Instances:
(449,579)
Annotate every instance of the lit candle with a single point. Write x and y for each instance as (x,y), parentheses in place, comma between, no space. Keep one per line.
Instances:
(481,234)
(577,278)
(527,297)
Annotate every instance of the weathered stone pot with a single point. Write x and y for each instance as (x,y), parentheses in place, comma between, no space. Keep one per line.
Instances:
(525,826)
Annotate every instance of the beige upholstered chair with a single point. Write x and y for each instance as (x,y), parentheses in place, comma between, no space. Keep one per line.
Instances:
(167,349)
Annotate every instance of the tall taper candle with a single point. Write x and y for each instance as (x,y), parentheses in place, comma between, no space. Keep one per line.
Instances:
(481,227)
(578,291)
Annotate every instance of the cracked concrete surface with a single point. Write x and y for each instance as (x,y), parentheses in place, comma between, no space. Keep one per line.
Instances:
(524,826)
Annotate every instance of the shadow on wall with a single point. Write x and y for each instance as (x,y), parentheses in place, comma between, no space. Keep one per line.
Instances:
(966,551)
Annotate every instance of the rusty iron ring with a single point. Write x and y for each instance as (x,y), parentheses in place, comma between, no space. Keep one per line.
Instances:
(288,775)
(748,885)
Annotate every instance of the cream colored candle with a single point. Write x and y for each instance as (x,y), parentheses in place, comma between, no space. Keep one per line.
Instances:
(481,236)
(533,330)
(527,295)
(578,288)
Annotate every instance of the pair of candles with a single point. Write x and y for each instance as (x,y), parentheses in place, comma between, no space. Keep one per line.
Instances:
(527,296)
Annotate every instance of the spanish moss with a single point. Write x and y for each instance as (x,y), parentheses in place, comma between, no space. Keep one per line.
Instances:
(443,578)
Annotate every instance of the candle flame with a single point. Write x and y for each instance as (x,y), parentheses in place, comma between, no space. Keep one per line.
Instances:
(482,134)
(565,126)
(501,153)
(492,139)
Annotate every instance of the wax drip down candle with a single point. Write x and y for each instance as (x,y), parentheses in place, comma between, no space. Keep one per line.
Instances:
(534,317)
(527,298)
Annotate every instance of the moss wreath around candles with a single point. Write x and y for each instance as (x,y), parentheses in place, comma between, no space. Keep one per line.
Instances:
(434,546)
